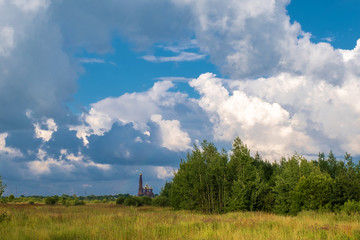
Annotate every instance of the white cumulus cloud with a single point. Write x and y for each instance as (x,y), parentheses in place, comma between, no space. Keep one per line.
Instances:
(173,138)
(45,129)
(135,108)
(67,163)
(264,125)
(8,151)
(164,172)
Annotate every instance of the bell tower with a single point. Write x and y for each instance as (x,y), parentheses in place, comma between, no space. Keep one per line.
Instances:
(140,192)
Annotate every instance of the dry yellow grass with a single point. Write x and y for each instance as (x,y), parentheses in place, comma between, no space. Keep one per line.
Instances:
(109,221)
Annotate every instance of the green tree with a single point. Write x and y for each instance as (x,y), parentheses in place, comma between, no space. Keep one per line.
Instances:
(347,182)
(11,197)
(285,183)
(314,191)
(242,175)
(201,181)
(333,164)
(165,191)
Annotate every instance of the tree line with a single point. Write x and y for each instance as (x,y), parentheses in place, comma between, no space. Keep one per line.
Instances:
(214,181)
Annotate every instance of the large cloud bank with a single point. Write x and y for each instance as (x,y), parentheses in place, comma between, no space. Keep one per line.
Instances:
(283,93)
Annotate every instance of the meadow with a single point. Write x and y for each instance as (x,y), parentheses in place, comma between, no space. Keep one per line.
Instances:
(112,221)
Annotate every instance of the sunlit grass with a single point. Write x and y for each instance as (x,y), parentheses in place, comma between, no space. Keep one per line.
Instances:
(109,221)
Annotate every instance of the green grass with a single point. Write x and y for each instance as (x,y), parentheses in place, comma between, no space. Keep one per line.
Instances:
(110,221)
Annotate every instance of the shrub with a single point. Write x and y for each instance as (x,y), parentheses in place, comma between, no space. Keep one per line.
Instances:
(31,202)
(161,201)
(78,202)
(120,200)
(51,200)
(133,201)
(11,198)
(351,206)
(146,200)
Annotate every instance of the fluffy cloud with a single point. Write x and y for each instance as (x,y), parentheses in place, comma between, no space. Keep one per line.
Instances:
(67,164)
(327,113)
(250,39)
(173,138)
(244,38)
(164,172)
(265,126)
(284,113)
(45,134)
(8,151)
(134,108)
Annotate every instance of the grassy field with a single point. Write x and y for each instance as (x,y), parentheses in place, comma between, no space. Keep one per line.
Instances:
(110,221)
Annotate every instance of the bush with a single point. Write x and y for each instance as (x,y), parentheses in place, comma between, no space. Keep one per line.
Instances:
(161,201)
(133,201)
(11,198)
(351,206)
(51,200)
(120,200)
(78,202)
(31,202)
(146,200)
(65,201)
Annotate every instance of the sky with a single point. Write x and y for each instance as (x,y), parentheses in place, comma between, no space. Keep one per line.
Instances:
(93,92)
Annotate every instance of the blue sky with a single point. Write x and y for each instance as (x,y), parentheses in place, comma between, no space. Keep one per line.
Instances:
(93,92)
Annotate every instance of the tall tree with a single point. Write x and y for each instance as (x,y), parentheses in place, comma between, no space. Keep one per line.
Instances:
(242,174)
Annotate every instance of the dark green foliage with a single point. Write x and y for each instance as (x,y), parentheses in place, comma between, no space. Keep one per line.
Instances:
(51,200)
(165,191)
(133,201)
(78,202)
(161,201)
(351,206)
(201,182)
(11,198)
(120,200)
(315,191)
(146,200)
(211,181)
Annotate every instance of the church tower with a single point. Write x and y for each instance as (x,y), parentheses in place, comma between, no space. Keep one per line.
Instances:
(140,192)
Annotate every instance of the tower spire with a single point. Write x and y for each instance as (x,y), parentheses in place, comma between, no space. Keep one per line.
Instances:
(140,192)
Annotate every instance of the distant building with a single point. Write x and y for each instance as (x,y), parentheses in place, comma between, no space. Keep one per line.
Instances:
(146,191)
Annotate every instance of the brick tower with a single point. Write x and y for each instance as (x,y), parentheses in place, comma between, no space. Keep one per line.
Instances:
(140,192)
